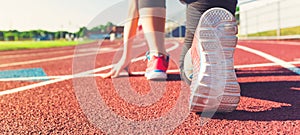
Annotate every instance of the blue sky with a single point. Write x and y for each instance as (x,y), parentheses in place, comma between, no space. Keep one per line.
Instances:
(67,15)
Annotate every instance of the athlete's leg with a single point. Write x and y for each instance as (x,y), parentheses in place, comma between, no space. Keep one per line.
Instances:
(211,37)
(194,11)
(152,17)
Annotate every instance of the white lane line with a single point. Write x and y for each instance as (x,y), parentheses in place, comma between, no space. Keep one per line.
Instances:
(31,78)
(72,76)
(28,53)
(278,42)
(50,59)
(2,93)
(278,61)
(263,65)
(54,52)
(134,73)
(60,58)
(24,88)
(45,60)
(137,73)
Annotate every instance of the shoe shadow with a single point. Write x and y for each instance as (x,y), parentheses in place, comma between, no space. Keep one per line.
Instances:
(269,100)
(174,77)
(275,72)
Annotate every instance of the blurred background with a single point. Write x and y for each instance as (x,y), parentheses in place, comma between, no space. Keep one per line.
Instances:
(67,22)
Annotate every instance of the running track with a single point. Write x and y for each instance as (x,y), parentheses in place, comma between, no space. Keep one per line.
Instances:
(268,72)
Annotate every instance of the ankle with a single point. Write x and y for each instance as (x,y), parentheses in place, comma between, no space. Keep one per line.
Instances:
(157,54)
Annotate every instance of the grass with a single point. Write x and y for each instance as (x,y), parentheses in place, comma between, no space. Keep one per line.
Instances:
(283,32)
(19,45)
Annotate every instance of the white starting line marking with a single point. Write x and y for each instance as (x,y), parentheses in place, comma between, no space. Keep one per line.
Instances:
(24,88)
(278,61)
(135,73)
(72,76)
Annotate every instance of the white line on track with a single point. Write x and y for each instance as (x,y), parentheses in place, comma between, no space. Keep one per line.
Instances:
(59,58)
(29,53)
(45,60)
(134,73)
(278,42)
(278,61)
(263,65)
(53,52)
(24,88)
(72,76)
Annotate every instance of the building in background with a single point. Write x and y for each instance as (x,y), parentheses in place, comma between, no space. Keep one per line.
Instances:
(111,32)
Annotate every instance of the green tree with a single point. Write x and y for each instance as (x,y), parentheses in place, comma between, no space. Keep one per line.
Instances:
(237,15)
(109,24)
(82,32)
(1,35)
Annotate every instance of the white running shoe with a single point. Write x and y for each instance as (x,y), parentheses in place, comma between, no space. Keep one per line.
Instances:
(214,84)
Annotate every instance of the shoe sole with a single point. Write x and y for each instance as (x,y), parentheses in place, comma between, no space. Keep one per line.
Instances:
(214,85)
(156,76)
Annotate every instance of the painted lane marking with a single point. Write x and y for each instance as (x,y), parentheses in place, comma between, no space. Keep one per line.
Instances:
(134,73)
(79,76)
(24,88)
(23,73)
(278,42)
(49,50)
(32,78)
(278,61)
(263,65)
(59,58)
(52,52)
(96,49)
(6,92)
(44,60)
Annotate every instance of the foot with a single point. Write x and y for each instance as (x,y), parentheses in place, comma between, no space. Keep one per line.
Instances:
(214,84)
(157,67)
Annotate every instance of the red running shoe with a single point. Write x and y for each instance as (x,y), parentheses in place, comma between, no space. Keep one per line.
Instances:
(157,66)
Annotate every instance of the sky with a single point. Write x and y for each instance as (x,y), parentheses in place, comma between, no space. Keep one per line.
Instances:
(69,15)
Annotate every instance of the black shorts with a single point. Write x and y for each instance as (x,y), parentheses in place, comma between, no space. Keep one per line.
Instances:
(152,3)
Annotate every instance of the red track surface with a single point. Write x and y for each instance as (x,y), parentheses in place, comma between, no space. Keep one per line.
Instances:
(269,104)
